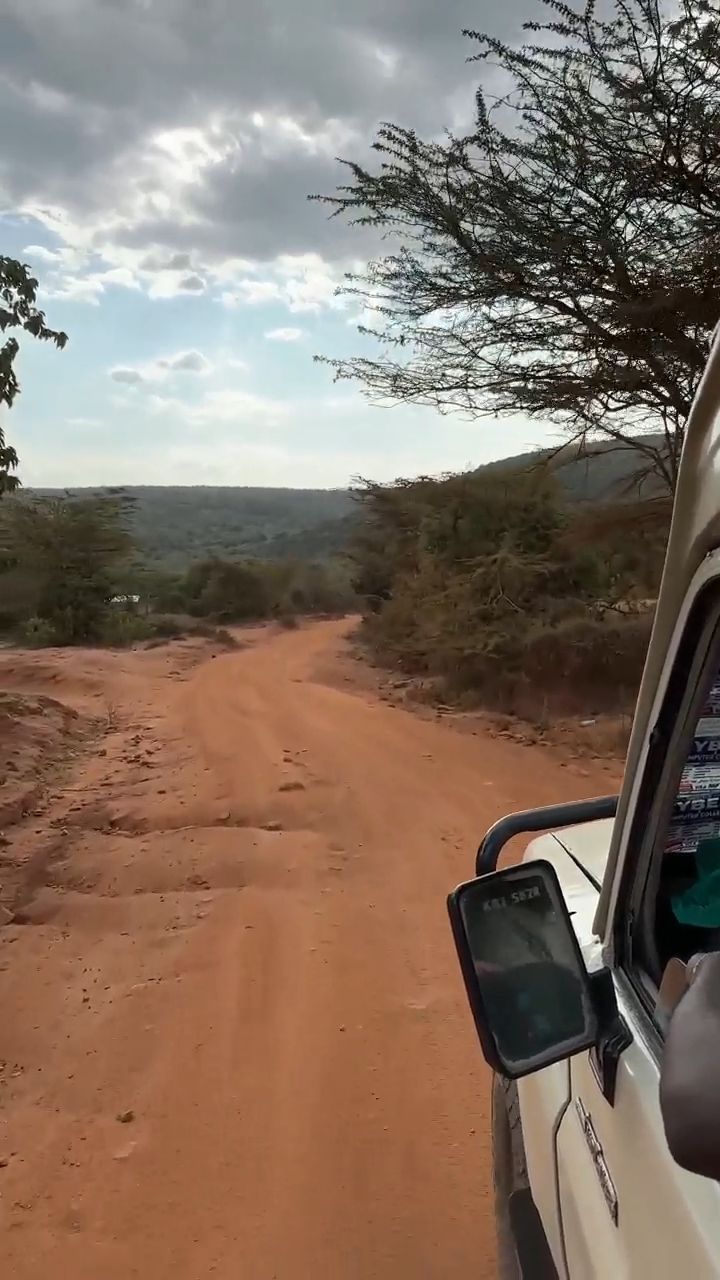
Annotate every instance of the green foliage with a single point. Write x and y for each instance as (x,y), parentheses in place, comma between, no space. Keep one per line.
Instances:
(249,591)
(450,524)
(18,293)
(305,588)
(63,559)
(227,591)
(36,633)
(68,576)
(121,628)
(490,583)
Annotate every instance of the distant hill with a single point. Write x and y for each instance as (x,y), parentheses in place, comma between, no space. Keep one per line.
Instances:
(604,473)
(175,525)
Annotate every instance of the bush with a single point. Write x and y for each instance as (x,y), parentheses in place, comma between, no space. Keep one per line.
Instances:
(582,665)
(61,561)
(478,582)
(119,630)
(288,621)
(167,628)
(253,590)
(37,633)
(163,629)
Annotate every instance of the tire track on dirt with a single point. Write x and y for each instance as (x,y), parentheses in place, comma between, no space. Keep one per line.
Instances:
(241,944)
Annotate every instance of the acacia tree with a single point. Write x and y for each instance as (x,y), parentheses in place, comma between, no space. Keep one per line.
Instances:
(18,293)
(67,557)
(560,260)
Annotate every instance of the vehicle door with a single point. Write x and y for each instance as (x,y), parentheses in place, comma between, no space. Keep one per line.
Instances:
(627,1210)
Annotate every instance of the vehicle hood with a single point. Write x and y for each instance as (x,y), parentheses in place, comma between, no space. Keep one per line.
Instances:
(579,855)
(588,845)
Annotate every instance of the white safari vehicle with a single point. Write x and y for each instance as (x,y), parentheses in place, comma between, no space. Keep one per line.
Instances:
(567,956)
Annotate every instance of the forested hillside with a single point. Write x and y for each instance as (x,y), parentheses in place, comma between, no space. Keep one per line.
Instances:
(598,473)
(173,526)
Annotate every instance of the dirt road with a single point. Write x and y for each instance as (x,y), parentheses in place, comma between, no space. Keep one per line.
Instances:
(233,1041)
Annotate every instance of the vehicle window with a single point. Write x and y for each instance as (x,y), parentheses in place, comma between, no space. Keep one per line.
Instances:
(671,894)
(674,839)
(687,908)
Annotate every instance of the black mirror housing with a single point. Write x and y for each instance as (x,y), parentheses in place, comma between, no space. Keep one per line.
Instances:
(529,990)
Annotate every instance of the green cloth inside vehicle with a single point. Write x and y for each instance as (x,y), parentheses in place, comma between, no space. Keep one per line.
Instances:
(699,904)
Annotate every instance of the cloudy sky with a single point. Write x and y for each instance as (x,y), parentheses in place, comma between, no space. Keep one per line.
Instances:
(154,166)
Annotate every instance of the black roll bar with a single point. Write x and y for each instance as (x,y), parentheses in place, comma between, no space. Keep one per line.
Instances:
(552,815)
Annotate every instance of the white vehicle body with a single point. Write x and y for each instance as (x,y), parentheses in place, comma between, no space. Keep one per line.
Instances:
(611,1201)
(668,1221)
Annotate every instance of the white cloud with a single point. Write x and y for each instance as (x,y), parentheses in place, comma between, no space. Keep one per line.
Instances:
(178,168)
(47,99)
(250,292)
(191,284)
(67,280)
(226,406)
(193,362)
(170,284)
(39,253)
(116,275)
(389,60)
(309,282)
(285,335)
(186,362)
(75,289)
(303,282)
(94,256)
(274,134)
(122,373)
(84,424)
(198,142)
(365,318)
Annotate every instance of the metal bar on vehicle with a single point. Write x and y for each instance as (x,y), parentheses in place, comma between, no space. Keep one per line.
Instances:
(552,815)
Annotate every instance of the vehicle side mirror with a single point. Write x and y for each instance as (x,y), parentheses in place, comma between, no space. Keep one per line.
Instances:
(526,980)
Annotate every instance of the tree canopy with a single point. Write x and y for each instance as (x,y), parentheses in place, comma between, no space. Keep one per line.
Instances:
(560,260)
(63,559)
(18,310)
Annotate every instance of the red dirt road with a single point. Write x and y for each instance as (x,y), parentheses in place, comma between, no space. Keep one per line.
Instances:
(233,1042)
